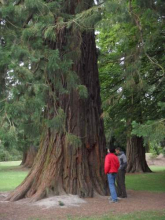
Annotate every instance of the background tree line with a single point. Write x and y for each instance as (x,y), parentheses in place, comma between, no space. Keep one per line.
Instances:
(131,66)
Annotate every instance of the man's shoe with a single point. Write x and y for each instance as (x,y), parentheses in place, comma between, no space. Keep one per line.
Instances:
(121,197)
(113,201)
(118,198)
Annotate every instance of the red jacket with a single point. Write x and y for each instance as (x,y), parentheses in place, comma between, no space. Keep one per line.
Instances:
(111,164)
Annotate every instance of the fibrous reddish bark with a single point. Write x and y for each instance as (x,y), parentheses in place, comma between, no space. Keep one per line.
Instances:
(28,157)
(136,161)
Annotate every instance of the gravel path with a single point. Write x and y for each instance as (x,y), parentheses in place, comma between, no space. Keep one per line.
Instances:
(136,201)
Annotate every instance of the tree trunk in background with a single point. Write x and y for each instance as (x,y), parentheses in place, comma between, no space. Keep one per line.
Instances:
(59,166)
(24,158)
(136,161)
(28,157)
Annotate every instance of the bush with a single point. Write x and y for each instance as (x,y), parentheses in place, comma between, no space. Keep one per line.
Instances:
(11,155)
(157,149)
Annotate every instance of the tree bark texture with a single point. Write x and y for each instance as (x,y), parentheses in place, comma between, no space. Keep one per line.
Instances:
(59,166)
(136,161)
(29,157)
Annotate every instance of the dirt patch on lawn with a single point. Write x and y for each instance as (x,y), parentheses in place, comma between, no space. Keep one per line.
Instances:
(155,160)
(50,208)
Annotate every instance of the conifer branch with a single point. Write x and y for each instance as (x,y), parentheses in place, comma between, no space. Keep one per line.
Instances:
(101,3)
(8,119)
(138,24)
(3,100)
(79,18)
(156,122)
(4,2)
(2,110)
(12,24)
(36,68)
(27,20)
(18,2)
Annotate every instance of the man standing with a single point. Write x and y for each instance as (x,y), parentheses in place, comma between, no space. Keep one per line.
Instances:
(111,167)
(120,179)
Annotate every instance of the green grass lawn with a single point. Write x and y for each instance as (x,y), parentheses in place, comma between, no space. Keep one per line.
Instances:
(152,215)
(10,175)
(9,165)
(157,168)
(154,182)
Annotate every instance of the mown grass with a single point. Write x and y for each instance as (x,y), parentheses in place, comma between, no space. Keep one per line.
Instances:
(10,175)
(4,166)
(154,182)
(146,215)
(157,168)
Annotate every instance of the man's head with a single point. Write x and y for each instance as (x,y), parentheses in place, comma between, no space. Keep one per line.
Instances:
(117,150)
(112,150)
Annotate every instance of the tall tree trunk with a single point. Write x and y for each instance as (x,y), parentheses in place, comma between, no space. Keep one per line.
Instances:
(136,161)
(28,157)
(59,166)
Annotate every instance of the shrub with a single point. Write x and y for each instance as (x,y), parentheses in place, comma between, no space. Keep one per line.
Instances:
(12,155)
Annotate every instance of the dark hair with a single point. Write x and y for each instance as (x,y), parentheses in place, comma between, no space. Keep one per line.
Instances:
(112,150)
(118,148)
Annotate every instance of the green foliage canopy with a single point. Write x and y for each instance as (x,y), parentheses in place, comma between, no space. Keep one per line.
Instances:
(131,64)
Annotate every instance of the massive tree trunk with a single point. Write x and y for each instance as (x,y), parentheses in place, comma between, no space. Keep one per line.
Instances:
(136,161)
(60,167)
(29,156)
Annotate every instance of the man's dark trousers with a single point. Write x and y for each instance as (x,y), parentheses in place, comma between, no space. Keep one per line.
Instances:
(120,180)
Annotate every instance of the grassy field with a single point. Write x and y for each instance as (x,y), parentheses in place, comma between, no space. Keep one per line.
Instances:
(11,175)
(154,182)
(153,215)
(157,168)
(4,166)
